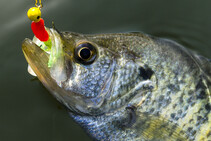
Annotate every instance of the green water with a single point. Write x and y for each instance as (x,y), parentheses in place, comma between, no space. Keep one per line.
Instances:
(27,111)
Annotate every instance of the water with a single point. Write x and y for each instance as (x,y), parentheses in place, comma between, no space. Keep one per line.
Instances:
(28,111)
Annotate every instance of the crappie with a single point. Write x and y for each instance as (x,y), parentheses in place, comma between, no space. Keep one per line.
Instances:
(127,86)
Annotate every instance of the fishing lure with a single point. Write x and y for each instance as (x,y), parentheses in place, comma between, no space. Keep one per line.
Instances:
(38,26)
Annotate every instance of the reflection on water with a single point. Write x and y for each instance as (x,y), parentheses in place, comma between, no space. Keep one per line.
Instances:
(28,111)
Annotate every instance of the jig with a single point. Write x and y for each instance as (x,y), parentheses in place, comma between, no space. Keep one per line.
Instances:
(37,25)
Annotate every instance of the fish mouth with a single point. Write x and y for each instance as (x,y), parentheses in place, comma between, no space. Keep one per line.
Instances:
(38,60)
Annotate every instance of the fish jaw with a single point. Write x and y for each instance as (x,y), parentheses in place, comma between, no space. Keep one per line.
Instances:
(38,61)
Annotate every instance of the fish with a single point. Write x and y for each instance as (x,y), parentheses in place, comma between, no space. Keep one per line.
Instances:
(126,86)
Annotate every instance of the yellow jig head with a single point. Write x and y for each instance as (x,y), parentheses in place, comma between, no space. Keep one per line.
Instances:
(34,14)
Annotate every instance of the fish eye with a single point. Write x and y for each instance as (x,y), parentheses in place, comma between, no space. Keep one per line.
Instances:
(85,53)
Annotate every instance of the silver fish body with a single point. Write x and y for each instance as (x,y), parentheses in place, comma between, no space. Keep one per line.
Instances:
(127,86)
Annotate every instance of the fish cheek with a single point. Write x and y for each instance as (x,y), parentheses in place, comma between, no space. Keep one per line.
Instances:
(89,80)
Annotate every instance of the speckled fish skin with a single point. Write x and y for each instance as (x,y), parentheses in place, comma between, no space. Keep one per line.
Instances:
(138,88)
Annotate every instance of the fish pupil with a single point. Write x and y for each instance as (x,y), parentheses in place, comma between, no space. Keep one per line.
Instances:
(85,53)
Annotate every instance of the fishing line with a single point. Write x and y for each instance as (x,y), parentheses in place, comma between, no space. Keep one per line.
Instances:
(40,4)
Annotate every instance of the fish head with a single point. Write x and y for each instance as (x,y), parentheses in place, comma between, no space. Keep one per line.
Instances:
(89,74)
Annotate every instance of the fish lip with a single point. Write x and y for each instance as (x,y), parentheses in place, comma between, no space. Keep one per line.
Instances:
(36,58)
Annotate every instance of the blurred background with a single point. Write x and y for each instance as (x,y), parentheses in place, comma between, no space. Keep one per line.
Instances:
(27,111)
